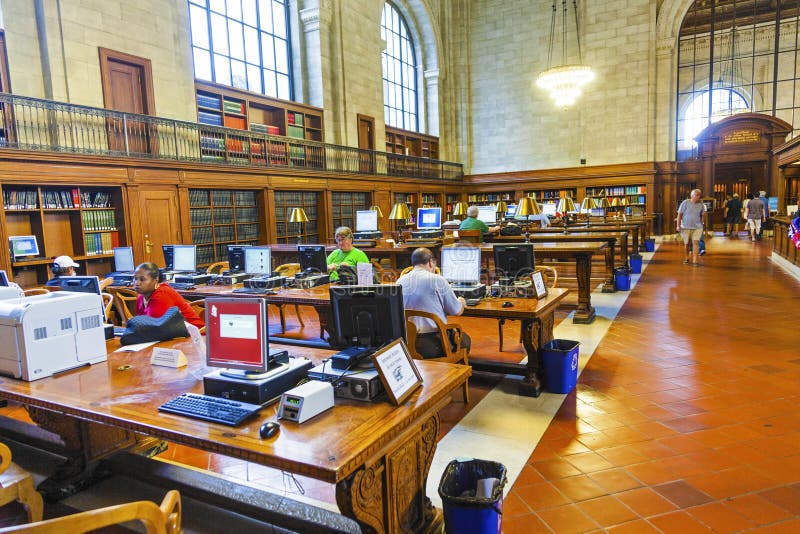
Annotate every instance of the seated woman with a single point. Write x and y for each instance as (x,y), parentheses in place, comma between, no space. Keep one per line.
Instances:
(346,254)
(156,298)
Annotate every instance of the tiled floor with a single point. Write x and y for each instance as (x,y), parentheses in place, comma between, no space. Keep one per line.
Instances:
(684,418)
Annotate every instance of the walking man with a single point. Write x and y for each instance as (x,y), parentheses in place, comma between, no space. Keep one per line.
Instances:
(754,213)
(691,219)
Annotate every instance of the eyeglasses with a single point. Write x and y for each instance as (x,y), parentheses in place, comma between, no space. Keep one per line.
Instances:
(343,238)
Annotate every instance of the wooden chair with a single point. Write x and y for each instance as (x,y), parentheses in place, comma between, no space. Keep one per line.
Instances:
(470,236)
(288,270)
(16,484)
(164,519)
(108,303)
(218,267)
(124,303)
(411,267)
(36,291)
(450,356)
(105,282)
(199,306)
(550,276)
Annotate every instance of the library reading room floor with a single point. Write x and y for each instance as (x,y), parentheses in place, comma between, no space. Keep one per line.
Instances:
(684,417)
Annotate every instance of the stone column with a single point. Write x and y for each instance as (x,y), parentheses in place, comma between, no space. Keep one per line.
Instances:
(432,98)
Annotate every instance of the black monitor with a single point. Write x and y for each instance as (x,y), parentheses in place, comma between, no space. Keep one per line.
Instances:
(313,258)
(367,316)
(3,279)
(236,258)
(81,284)
(513,261)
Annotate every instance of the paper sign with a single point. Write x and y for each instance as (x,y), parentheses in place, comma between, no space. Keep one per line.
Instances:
(137,347)
(168,357)
(364,273)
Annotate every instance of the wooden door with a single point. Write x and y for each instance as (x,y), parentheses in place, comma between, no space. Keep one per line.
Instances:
(366,141)
(161,222)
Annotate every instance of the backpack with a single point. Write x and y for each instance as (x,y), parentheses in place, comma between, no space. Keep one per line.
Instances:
(511,230)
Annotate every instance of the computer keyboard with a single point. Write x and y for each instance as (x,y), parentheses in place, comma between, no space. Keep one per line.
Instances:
(181,285)
(254,290)
(209,408)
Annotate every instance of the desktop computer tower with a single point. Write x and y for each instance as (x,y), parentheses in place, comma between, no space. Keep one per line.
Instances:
(196,279)
(427,234)
(470,292)
(266,282)
(256,391)
(363,384)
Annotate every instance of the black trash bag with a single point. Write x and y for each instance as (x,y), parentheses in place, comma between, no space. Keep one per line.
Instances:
(460,479)
(143,328)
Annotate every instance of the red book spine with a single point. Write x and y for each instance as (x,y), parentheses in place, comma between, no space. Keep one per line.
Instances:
(76,198)
(114,239)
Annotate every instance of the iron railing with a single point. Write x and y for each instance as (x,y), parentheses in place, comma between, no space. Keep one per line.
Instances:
(48,126)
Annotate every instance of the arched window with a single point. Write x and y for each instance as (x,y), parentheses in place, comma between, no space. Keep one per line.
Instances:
(399,72)
(242,43)
(724,102)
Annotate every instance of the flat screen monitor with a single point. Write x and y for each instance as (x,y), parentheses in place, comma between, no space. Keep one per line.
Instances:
(123,259)
(236,334)
(236,258)
(511,211)
(548,208)
(429,218)
(461,265)
(257,260)
(367,316)
(773,204)
(487,214)
(366,221)
(3,279)
(81,284)
(313,258)
(22,246)
(184,258)
(513,261)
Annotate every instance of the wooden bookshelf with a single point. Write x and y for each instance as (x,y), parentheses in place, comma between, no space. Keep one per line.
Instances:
(85,223)
(635,193)
(484,199)
(551,196)
(411,143)
(450,200)
(287,232)
(222,217)
(344,205)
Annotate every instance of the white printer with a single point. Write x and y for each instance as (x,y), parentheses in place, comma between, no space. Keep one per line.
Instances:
(46,334)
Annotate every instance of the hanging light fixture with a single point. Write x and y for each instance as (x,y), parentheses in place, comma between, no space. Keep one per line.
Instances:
(730,75)
(564,81)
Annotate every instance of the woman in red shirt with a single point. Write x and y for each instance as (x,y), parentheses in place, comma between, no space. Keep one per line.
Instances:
(156,298)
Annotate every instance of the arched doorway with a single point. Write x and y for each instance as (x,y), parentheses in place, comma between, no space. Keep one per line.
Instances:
(736,157)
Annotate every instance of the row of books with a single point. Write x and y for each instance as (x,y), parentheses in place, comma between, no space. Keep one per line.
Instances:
(223,233)
(61,199)
(101,220)
(27,199)
(264,129)
(616,190)
(296,132)
(247,231)
(206,117)
(20,200)
(97,199)
(208,101)
(100,243)
(233,106)
(553,193)
(490,197)
(294,118)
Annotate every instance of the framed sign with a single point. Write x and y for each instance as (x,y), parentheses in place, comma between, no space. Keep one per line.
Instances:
(538,284)
(397,370)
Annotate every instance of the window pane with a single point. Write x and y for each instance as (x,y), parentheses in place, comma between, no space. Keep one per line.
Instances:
(265,13)
(251,51)
(283,87)
(281,56)
(202,64)
(219,34)
(268,52)
(236,39)
(218,6)
(249,13)
(222,69)
(270,86)
(279,19)
(254,78)
(199,25)
(199,2)
(239,74)
(235,9)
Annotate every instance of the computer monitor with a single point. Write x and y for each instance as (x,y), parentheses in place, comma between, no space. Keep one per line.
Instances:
(22,246)
(237,334)
(548,208)
(513,261)
(313,258)
(461,265)
(257,260)
(123,259)
(429,218)
(487,214)
(511,211)
(81,284)
(366,221)
(367,316)
(184,258)
(773,204)
(3,279)
(236,258)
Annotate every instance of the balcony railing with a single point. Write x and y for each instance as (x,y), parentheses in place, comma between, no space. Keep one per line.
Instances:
(47,126)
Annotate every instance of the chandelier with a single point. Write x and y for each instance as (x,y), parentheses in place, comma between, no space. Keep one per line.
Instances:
(730,75)
(565,81)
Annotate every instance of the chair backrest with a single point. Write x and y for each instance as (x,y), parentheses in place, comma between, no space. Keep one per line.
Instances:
(450,355)
(288,269)
(125,303)
(105,282)
(550,275)
(108,302)
(35,291)
(164,519)
(470,236)
(218,267)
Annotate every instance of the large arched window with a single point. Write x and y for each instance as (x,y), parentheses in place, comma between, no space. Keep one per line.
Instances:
(242,43)
(699,113)
(399,72)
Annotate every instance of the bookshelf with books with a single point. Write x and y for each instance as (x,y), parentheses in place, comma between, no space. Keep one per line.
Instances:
(85,223)
(410,143)
(636,195)
(288,232)
(551,196)
(431,200)
(485,199)
(222,217)
(450,200)
(344,205)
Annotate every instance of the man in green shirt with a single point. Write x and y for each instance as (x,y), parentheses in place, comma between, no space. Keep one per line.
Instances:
(473,223)
(345,254)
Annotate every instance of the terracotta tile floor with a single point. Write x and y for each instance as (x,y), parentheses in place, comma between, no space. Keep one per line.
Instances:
(683,420)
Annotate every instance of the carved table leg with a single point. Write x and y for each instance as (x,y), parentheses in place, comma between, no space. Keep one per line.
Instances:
(389,495)
(585,311)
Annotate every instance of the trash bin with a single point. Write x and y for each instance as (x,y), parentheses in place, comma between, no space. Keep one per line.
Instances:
(650,245)
(464,512)
(622,279)
(560,360)
(636,263)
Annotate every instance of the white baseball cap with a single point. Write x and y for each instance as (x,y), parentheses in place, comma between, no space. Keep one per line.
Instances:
(65,262)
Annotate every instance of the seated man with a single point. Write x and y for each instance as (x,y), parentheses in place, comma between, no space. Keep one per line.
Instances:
(425,290)
(346,254)
(156,298)
(62,266)
(473,223)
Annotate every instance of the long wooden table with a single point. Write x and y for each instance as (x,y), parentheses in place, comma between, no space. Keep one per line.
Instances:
(376,454)
(398,257)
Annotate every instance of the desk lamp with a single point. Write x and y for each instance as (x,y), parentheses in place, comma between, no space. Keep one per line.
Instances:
(399,213)
(615,205)
(587,205)
(623,203)
(460,209)
(298,216)
(378,209)
(565,206)
(605,204)
(527,206)
(501,209)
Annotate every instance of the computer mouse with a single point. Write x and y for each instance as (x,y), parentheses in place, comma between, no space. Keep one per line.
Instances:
(508,304)
(269,429)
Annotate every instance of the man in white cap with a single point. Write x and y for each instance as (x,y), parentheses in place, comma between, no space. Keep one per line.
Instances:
(61,266)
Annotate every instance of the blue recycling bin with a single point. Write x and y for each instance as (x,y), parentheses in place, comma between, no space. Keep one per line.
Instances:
(622,279)
(464,513)
(636,263)
(650,245)
(560,359)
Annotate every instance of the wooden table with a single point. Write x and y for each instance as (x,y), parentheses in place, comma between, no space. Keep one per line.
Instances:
(537,317)
(376,454)
(398,257)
